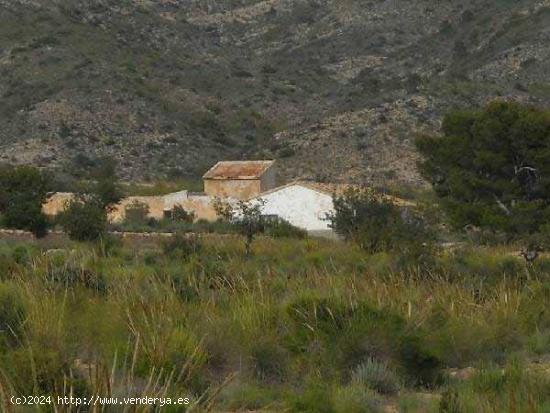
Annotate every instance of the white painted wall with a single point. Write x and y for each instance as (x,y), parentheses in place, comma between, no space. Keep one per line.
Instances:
(301,206)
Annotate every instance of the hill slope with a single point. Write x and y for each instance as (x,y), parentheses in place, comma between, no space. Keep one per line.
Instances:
(336,89)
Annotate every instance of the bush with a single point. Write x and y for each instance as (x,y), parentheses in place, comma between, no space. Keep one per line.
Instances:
(72,274)
(182,245)
(315,398)
(282,229)
(180,214)
(355,399)
(23,190)
(136,213)
(84,220)
(269,360)
(422,367)
(376,224)
(377,376)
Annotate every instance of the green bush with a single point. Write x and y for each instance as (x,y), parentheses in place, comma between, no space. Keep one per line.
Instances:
(421,367)
(69,274)
(377,376)
(182,245)
(315,398)
(84,220)
(180,214)
(355,399)
(23,190)
(282,229)
(269,360)
(376,223)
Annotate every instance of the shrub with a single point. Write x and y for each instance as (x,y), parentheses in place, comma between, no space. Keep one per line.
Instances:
(449,402)
(106,189)
(180,214)
(182,245)
(249,221)
(23,190)
(315,398)
(136,213)
(376,224)
(269,360)
(280,228)
(355,399)
(377,376)
(71,274)
(84,220)
(224,210)
(422,367)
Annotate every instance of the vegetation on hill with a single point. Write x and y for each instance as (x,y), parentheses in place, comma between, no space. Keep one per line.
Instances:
(491,168)
(23,190)
(333,89)
(299,326)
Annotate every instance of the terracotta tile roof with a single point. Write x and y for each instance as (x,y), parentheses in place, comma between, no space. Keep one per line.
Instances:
(238,170)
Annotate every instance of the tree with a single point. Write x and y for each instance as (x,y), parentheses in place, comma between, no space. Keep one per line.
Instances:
(376,224)
(224,210)
(491,167)
(84,219)
(106,187)
(249,221)
(180,214)
(23,190)
(364,218)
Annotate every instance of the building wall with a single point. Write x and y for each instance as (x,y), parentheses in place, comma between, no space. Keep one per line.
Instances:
(56,203)
(268,180)
(302,207)
(233,188)
(201,206)
(155,204)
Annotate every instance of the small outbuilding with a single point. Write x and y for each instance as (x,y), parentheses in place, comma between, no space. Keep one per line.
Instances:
(303,204)
(239,179)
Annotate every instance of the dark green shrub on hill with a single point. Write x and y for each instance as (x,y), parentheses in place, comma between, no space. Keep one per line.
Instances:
(23,190)
(376,224)
(346,336)
(84,220)
(280,228)
(491,167)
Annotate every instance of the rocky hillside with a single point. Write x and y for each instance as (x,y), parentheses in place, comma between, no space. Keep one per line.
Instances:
(335,89)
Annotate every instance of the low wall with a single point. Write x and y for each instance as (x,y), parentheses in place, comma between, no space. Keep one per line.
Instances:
(200,205)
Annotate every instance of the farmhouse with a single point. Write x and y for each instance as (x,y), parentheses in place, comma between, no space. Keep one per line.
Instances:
(304,204)
(229,180)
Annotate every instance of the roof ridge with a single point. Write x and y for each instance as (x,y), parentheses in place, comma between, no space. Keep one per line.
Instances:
(246,169)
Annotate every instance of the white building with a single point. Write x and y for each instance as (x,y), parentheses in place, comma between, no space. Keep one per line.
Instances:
(303,204)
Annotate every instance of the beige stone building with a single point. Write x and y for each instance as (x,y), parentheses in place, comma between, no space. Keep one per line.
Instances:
(239,179)
(233,180)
